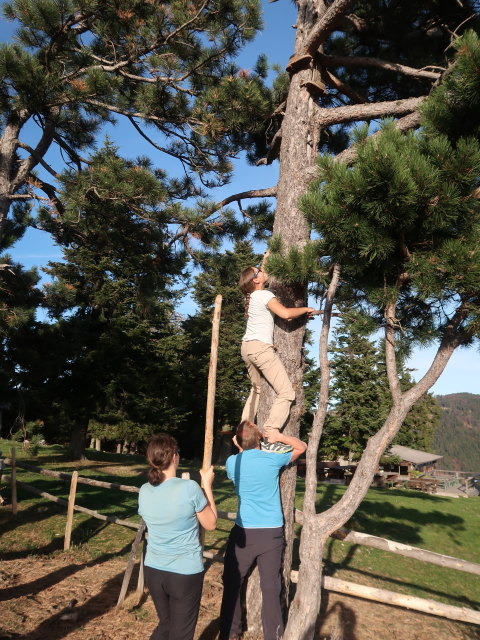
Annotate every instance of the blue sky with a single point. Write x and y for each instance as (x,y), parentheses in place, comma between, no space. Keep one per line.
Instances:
(36,248)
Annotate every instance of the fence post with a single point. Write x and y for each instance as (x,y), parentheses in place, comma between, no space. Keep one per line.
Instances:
(71,504)
(14,482)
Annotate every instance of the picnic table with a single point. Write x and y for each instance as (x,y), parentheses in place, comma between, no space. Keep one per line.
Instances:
(429,485)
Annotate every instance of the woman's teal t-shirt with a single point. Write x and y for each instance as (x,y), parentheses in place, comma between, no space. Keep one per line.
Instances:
(169,511)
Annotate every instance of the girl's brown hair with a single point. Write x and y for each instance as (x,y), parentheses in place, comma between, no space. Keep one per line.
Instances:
(161,450)
(248,435)
(247,285)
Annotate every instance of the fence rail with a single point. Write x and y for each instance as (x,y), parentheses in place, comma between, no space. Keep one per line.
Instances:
(439,473)
(329,583)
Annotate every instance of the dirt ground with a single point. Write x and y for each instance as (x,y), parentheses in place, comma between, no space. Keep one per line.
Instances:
(37,594)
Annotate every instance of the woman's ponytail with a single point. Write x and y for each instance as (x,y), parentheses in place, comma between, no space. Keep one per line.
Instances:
(160,452)
(247,285)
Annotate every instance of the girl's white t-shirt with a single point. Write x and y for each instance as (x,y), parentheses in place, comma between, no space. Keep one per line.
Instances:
(260,321)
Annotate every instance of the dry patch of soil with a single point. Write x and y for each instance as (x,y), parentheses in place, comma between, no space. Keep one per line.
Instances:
(60,597)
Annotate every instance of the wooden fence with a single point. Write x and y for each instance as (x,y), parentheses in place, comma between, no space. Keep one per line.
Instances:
(461,614)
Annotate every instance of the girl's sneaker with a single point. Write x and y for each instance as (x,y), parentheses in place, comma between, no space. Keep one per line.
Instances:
(275,447)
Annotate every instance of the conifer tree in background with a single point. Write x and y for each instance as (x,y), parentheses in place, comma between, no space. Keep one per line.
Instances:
(360,397)
(166,69)
(112,299)
(19,299)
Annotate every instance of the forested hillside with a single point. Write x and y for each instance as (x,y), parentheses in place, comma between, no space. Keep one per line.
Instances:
(458,436)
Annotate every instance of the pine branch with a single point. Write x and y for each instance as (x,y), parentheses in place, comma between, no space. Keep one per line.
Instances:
(33,159)
(273,149)
(109,67)
(370,111)
(49,190)
(124,112)
(348,61)
(352,20)
(74,156)
(37,157)
(25,196)
(56,39)
(183,159)
(270,192)
(186,24)
(321,413)
(411,121)
(326,25)
(390,356)
(342,87)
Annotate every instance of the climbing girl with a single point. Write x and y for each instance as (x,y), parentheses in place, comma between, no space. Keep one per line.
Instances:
(172,508)
(258,351)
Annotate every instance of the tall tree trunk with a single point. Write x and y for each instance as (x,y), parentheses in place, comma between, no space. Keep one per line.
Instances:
(76,449)
(298,152)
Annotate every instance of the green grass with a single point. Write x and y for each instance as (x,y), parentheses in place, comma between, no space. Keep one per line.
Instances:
(446,525)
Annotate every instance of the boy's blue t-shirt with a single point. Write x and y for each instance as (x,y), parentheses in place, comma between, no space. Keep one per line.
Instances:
(255,476)
(169,511)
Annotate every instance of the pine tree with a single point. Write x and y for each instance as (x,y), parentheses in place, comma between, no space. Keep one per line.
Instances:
(359,401)
(19,299)
(166,68)
(401,229)
(112,298)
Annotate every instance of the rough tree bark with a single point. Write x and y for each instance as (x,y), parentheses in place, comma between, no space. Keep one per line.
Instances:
(298,152)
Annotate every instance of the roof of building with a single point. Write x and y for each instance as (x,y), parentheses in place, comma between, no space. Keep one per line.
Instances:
(413,455)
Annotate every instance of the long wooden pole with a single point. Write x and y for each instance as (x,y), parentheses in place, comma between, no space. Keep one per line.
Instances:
(70,509)
(14,482)
(212,379)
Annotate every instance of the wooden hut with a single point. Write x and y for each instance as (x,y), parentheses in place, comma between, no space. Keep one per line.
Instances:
(414,459)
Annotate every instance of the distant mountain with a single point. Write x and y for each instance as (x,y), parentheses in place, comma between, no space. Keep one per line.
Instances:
(458,437)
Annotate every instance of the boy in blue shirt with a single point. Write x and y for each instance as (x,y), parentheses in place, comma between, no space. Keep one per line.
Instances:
(258,531)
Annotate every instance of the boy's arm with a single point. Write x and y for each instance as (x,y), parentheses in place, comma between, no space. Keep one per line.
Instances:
(298,446)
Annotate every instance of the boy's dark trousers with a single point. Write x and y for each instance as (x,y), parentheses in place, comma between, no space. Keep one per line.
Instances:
(177,600)
(245,546)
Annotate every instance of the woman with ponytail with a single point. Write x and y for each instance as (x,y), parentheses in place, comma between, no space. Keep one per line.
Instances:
(258,352)
(172,508)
